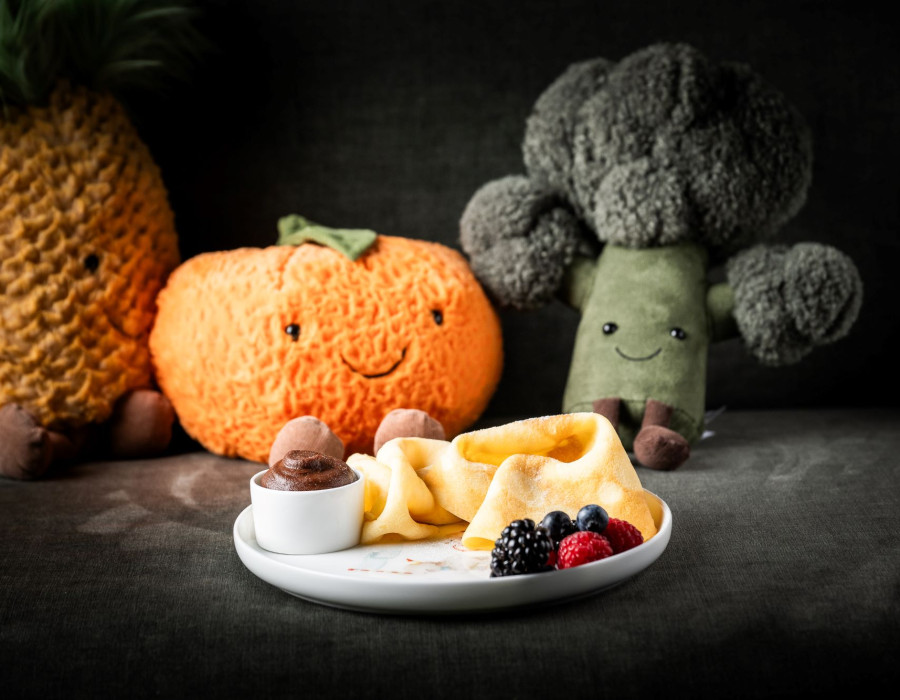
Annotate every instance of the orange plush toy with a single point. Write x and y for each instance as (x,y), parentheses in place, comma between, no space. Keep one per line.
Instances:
(334,340)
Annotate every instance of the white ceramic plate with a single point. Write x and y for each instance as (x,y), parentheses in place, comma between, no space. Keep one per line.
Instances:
(436,576)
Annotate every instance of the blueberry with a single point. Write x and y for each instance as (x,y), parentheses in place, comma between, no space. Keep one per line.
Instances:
(558,524)
(592,518)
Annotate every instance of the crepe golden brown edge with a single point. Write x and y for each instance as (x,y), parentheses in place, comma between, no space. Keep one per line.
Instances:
(482,480)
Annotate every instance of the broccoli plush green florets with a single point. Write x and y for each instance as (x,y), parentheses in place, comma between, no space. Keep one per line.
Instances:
(666,147)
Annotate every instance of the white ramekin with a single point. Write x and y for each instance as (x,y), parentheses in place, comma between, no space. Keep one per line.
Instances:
(307,522)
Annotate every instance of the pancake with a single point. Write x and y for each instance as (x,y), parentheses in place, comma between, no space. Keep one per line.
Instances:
(485,479)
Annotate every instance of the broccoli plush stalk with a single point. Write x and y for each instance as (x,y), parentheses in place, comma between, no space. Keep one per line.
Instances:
(641,175)
(663,355)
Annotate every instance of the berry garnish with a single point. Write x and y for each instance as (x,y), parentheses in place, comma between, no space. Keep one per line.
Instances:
(521,548)
(622,535)
(581,548)
(558,524)
(592,518)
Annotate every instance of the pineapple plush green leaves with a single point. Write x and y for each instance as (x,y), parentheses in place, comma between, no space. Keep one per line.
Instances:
(102,44)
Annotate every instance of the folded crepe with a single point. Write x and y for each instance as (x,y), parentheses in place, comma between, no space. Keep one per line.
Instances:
(484,479)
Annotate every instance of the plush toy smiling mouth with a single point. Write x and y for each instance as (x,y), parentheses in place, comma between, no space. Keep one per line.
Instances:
(639,359)
(380,374)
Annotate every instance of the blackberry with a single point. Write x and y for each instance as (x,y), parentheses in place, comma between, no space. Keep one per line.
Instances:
(521,549)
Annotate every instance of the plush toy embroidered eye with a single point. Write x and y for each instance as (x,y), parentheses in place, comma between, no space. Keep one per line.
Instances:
(92,262)
(341,326)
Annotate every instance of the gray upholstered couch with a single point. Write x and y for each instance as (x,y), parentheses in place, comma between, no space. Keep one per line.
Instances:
(780,580)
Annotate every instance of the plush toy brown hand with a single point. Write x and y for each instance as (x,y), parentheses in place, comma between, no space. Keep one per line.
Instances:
(87,236)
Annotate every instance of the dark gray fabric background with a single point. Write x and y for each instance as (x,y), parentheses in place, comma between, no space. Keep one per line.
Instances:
(389,114)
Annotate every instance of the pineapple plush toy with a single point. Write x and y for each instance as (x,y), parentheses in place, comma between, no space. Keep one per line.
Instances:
(87,237)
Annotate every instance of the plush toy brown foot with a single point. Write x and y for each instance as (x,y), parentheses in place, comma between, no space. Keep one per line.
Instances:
(141,425)
(309,433)
(305,433)
(656,445)
(609,409)
(26,448)
(407,422)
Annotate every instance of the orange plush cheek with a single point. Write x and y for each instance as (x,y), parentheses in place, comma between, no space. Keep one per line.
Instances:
(466,356)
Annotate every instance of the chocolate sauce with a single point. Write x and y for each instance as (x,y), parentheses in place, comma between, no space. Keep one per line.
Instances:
(304,470)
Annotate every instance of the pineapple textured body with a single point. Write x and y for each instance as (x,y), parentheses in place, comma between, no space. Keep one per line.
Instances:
(87,239)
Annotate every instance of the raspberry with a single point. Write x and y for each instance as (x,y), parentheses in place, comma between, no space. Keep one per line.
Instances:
(581,548)
(622,535)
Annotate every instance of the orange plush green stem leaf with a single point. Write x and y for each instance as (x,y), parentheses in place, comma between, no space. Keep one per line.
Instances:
(297,230)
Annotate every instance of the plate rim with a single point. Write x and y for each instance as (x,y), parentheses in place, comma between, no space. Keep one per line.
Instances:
(577,579)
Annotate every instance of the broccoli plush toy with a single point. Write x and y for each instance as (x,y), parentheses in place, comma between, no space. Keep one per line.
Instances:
(643,175)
